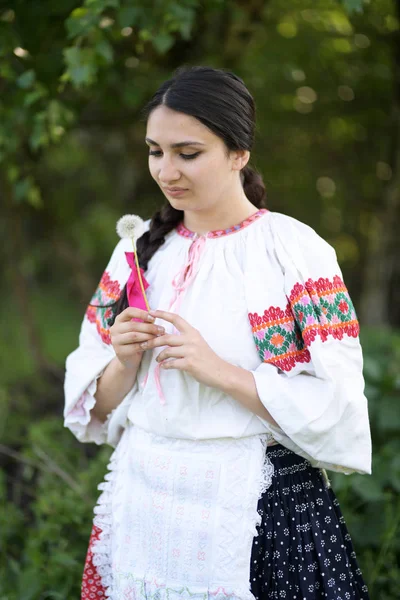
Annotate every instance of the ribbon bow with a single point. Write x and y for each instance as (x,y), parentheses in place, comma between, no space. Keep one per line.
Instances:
(133,287)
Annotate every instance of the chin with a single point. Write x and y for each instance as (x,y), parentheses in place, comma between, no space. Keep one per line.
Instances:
(178,204)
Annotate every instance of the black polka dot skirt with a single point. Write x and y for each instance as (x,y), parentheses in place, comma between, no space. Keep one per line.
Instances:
(303,550)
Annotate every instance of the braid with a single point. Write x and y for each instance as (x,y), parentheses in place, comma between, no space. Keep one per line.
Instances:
(162,222)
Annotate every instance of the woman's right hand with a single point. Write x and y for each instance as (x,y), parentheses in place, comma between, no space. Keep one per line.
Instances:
(127,335)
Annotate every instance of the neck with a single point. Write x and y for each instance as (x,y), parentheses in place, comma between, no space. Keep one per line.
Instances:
(219,216)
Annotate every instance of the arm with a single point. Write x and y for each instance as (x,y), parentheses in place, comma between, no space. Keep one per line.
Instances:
(91,374)
(112,387)
(240,385)
(306,334)
(132,327)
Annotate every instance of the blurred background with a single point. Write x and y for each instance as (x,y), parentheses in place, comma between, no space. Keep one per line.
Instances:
(74,76)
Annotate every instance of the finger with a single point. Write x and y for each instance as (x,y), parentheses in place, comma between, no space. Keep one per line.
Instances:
(130,326)
(174,363)
(179,323)
(170,353)
(134,337)
(163,340)
(135,313)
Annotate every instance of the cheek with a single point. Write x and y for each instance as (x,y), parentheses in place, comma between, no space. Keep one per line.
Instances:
(203,170)
(152,169)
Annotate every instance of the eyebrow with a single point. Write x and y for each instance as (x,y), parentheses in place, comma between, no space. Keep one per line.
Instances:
(177,144)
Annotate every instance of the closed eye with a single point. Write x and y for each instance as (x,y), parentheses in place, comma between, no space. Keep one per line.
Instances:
(158,153)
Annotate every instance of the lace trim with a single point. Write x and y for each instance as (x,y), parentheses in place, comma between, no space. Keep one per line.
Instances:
(267,473)
(153,589)
(101,550)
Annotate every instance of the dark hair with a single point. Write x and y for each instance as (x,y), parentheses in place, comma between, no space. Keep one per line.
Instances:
(220,100)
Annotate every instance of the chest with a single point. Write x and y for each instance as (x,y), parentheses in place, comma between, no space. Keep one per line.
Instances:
(213,299)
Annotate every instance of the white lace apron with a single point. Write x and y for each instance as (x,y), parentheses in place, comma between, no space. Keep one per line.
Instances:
(178,516)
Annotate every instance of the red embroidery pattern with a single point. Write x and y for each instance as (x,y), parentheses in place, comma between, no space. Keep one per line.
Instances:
(319,307)
(278,338)
(324,308)
(182,230)
(108,291)
(91,582)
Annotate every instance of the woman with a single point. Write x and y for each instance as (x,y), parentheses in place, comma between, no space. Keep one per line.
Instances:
(227,403)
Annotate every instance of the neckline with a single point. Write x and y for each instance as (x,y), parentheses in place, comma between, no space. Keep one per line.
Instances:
(218,233)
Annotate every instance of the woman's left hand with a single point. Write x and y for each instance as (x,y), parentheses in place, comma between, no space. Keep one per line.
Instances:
(187,352)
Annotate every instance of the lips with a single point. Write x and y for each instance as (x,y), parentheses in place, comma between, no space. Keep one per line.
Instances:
(175,189)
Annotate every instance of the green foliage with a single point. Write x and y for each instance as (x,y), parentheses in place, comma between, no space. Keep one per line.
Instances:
(44,529)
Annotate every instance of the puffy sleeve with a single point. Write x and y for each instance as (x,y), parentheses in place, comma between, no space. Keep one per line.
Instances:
(310,377)
(87,363)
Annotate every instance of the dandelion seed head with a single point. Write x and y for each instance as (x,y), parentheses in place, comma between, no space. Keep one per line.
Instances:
(130,226)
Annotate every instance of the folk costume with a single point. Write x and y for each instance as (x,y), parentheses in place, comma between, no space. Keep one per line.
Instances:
(203,498)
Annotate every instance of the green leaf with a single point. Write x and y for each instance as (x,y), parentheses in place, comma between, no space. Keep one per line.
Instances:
(80,22)
(163,42)
(81,65)
(105,50)
(34,197)
(12,173)
(27,79)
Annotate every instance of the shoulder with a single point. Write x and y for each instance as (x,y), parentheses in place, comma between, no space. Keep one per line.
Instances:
(299,241)
(288,227)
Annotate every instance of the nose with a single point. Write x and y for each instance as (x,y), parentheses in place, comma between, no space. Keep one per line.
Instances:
(168,172)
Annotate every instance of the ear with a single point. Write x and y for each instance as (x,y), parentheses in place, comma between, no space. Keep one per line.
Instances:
(239,159)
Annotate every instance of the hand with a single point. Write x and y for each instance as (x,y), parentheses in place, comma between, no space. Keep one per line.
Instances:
(188,350)
(127,335)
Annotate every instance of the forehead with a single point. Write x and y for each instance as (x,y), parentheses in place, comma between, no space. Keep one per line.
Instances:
(167,126)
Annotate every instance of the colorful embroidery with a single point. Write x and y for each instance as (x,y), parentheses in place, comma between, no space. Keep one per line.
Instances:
(278,338)
(319,307)
(324,308)
(185,232)
(108,291)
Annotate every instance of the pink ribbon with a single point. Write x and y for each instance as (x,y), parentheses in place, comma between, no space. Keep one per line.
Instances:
(180,283)
(133,289)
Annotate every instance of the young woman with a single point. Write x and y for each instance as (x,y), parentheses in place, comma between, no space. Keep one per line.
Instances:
(228,400)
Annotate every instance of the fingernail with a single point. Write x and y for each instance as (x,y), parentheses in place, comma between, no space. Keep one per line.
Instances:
(161,329)
(144,345)
(150,318)
(153,312)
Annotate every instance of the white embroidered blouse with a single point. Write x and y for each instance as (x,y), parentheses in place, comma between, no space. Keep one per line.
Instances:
(267,295)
